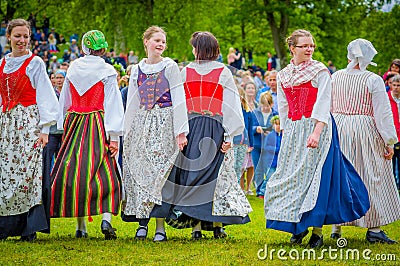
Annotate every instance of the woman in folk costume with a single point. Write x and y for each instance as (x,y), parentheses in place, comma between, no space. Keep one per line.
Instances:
(85,178)
(367,134)
(202,191)
(28,108)
(314,183)
(156,127)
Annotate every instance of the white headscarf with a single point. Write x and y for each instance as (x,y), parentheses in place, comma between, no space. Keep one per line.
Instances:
(360,51)
(85,50)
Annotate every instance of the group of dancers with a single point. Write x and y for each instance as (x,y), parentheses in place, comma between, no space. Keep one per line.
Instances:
(178,127)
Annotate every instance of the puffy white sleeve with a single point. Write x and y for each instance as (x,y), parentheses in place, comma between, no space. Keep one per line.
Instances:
(283,107)
(113,108)
(46,98)
(382,111)
(178,98)
(133,99)
(233,121)
(65,102)
(322,106)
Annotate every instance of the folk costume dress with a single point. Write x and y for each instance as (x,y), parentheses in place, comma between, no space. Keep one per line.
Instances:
(28,106)
(85,177)
(311,187)
(203,181)
(364,118)
(155,115)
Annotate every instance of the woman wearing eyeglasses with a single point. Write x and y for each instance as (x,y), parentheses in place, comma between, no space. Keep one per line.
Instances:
(314,184)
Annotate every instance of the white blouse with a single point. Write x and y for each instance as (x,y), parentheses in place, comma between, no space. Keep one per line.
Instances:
(46,98)
(321,109)
(95,69)
(232,121)
(178,99)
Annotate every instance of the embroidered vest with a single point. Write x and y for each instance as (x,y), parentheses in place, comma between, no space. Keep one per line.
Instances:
(16,88)
(301,100)
(154,90)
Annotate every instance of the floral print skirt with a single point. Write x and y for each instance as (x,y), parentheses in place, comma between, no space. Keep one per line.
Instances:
(20,171)
(150,151)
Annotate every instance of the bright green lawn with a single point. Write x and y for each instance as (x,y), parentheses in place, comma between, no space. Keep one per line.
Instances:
(240,248)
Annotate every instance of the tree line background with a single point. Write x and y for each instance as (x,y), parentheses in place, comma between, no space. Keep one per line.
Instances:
(258,25)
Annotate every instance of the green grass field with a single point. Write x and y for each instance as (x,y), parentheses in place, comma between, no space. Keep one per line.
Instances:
(246,245)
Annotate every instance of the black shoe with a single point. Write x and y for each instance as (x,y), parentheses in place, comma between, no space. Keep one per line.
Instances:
(380,237)
(29,238)
(315,241)
(336,235)
(297,239)
(81,234)
(108,231)
(196,235)
(219,232)
(141,237)
(163,239)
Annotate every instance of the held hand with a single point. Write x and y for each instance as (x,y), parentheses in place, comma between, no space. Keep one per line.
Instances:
(225,147)
(42,141)
(113,148)
(388,153)
(181,140)
(259,130)
(249,149)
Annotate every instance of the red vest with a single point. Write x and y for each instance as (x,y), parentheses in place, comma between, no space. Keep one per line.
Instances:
(301,100)
(203,93)
(90,101)
(16,88)
(395,111)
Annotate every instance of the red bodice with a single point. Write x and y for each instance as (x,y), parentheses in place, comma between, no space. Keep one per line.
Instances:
(90,101)
(301,100)
(203,92)
(16,88)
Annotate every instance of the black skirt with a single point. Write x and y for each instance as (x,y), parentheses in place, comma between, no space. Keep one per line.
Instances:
(189,191)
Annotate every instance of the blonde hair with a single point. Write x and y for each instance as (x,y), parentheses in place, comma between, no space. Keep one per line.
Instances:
(243,101)
(266,97)
(149,33)
(294,37)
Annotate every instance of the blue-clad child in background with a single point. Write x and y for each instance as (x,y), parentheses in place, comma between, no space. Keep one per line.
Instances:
(269,155)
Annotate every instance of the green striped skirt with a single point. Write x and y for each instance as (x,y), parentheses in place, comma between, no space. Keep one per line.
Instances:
(85,180)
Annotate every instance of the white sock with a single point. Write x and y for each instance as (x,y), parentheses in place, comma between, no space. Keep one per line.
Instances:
(336,229)
(317,231)
(160,225)
(197,227)
(374,229)
(142,230)
(81,224)
(159,229)
(107,217)
(217,224)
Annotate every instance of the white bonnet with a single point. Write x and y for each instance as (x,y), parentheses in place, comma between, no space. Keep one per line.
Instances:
(360,51)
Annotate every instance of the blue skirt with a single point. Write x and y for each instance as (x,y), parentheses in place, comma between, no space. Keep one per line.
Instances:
(342,195)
